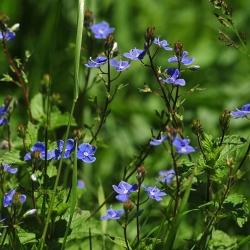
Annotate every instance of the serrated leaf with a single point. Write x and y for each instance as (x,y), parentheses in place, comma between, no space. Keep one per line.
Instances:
(26,237)
(36,105)
(237,206)
(148,243)
(51,171)
(31,136)
(58,119)
(13,157)
(120,241)
(222,241)
(59,209)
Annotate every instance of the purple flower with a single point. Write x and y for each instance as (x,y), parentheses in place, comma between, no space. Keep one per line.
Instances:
(135,54)
(8,35)
(156,142)
(166,176)
(4,112)
(57,153)
(11,197)
(184,59)
(80,184)
(101,30)
(8,168)
(99,61)
(173,77)
(244,111)
(124,189)
(85,152)
(182,146)
(38,151)
(120,65)
(163,44)
(154,193)
(112,214)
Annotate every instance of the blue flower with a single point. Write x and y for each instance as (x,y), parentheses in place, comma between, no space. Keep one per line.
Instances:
(244,111)
(124,189)
(8,168)
(154,193)
(120,65)
(173,77)
(135,54)
(156,142)
(8,35)
(85,152)
(182,146)
(4,112)
(57,153)
(112,214)
(163,44)
(101,30)
(80,184)
(11,197)
(166,176)
(99,61)
(184,59)
(38,151)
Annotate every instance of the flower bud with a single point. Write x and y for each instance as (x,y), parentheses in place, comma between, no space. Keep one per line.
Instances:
(15,27)
(149,37)
(171,133)
(224,120)
(178,48)
(3,22)
(141,173)
(197,128)
(109,44)
(21,131)
(29,213)
(128,206)
(88,19)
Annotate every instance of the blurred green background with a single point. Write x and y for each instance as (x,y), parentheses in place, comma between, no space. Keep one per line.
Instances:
(224,74)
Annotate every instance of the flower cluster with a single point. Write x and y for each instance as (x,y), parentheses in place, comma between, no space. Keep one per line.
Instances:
(85,151)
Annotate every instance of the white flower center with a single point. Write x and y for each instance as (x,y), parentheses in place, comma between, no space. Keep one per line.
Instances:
(86,153)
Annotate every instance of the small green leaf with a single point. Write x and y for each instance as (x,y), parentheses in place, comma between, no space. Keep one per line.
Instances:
(148,243)
(31,135)
(36,105)
(59,209)
(120,241)
(6,78)
(13,157)
(237,206)
(222,241)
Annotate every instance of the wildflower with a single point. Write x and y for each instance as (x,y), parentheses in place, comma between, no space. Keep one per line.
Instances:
(112,214)
(154,193)
(182,146)
(38,151)
(173,77)
(166,176)
(135,54)
(13,197)
(29,213)
(99,61)
(244,111)
(80,184)
(85,152)
(101,30)
(162,44)
(4,112)
(8,168)
(120,65)
(124,189)
(184,59)
(8,35)
(156,142)
(57,153)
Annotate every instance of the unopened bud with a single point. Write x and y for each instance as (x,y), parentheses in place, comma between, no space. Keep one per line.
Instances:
(88,19)
(178,48)
(196,128)
(171,133)
(224,120)
(109,44)
(15,27)
(29,213)
(141,173)
(128,206)
(21,131)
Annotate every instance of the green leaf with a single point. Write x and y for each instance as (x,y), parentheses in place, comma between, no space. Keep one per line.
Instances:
(148,243)
(51,171)
(13,157)
(6,78)
(59,209)
(58,119)
(31,136)
(222,241)
(26,237)
(237,206)
(120,241)
(36,105)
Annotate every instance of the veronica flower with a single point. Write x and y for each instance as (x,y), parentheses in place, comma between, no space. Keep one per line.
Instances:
(85,152)
(8,168)
(173,77)
(112,214)
(184,59)
(8,35)
(57,153)
(101,30)
(166,176)
(183,146)
(240,113)
(124,189)
(4,112)
(163,44)
(97,63)
(120,65)
(154,193)
(156,142)
(135,54)
(38,151)
(13,197)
